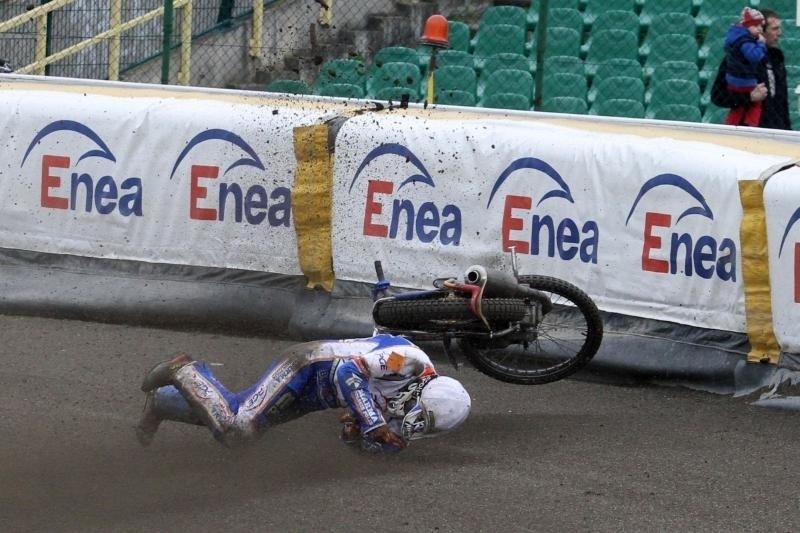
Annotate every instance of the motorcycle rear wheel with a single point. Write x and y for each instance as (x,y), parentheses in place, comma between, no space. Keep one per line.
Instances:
(563,342)
(443,314)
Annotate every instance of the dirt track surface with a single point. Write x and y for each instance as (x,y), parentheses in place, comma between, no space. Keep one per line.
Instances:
(570,456)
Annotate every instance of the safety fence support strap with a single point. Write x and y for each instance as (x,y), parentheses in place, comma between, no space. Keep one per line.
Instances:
(764,347)
(312,202)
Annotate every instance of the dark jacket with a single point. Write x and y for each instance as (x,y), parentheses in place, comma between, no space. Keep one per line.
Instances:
(775,109)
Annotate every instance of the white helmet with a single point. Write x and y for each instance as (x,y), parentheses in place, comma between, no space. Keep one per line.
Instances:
(443,405)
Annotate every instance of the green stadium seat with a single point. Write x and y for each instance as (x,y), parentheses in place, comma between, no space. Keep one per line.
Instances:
(786,8)
(564,17)
(681,70)
(502,61)
(672,91)
(794,119)
(343,90)
(619,87)
(571,64)
(507,60)
(532,15)
(791,49)
(395,54)
(497,39)
(715,35)
(665,23)
(562,42)
(509,81)
(565,104)
(450,58)
(349,71)
(396,94)
(455,77)
(563,84)
(670,47)
(684,112)
(790,29)
(394,75)
(459,35)
(607,44)
(714,114)
(652,8)
(711,64)
(613,67)
(598,8)
(713,9)
(514,15)
(792,76)
(288,86)
(671,70)
(455,97)
(618,107)
(505,101)
(612,20)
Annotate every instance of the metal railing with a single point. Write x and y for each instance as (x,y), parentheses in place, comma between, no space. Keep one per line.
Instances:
(102,39)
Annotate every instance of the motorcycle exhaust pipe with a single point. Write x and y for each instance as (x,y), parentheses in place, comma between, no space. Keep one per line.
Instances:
(496,283)
(499,284)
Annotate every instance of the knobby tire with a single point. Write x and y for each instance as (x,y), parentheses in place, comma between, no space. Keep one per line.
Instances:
(564,341)
(439,314)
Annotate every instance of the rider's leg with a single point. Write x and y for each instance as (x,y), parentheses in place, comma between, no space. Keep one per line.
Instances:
(164,403)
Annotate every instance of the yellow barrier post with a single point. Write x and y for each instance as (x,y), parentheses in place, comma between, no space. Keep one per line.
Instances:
(764,346)
(184,74)
(256,44)
(312,202)
(114,42)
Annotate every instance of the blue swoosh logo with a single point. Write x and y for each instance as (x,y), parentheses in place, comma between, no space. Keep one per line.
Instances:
(70,125)
(222,135)
(794,218)
(399,150)
(675,181)
(562,191)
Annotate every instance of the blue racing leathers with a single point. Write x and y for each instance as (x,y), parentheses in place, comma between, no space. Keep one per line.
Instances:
(359,374)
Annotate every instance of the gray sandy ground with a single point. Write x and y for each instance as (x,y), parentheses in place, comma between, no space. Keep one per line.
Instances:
(570,456)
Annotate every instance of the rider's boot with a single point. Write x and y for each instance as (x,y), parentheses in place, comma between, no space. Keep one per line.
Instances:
(163,373)
(149,421)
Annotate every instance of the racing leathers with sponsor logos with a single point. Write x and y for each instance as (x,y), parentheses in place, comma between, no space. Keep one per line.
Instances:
(389,386)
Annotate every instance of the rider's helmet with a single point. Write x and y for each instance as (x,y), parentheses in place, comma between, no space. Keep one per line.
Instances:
(442,406)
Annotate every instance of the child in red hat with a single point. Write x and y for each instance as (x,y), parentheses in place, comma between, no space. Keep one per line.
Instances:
(744,50)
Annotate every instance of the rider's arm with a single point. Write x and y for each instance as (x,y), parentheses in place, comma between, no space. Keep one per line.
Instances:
(364,424)
(352,377)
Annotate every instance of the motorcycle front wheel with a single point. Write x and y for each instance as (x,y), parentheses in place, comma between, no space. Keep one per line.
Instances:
(443,314)
(564,341)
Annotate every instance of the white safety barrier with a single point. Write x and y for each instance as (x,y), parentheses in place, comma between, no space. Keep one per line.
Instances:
(127,172)
(649,227)
(782,202)
(648,219)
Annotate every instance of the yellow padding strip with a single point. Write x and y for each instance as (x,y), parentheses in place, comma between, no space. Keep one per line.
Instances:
(311,204)
(764,347)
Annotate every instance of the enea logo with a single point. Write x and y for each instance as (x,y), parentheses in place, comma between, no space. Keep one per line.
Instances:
(212,197)
(538,233)
(792,221)
(82,191)
(424,222)
(703,255)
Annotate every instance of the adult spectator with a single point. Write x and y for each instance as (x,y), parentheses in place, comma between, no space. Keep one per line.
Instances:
(771,90)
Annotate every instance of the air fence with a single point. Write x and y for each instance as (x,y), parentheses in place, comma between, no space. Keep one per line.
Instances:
(264,213)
